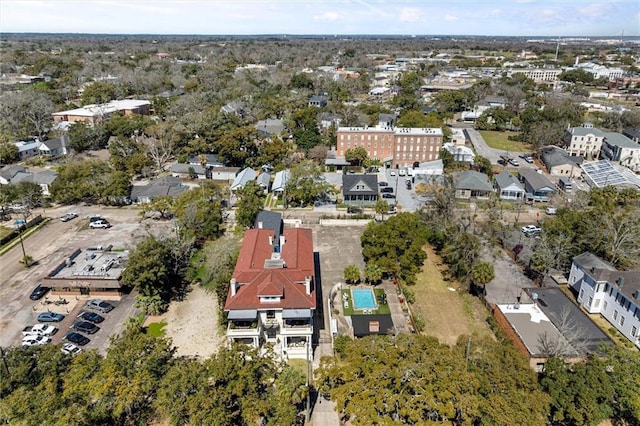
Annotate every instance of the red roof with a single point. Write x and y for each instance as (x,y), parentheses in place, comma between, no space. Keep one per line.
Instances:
(254,280)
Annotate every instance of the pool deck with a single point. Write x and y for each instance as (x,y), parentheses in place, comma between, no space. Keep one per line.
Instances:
(357,306)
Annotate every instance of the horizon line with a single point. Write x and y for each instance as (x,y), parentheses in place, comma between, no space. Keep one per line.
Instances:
(328,35)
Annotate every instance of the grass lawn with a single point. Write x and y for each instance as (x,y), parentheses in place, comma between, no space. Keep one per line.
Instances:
(447,314)
(299,364)
(348,311)
(156,329)
(4,231)
(499,140)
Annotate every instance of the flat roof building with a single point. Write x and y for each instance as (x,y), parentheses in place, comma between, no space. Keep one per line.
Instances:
(93,271)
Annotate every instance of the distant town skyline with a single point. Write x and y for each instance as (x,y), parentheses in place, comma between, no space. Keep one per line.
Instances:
(564,18)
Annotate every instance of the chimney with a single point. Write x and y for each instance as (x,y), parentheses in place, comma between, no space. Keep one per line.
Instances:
(620,282)
(307,285)
(260,225)
(234,289)
(282,241)
(593,270)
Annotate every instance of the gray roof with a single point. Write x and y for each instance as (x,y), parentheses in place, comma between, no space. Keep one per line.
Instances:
(350,181)
(167,185)
(584,131)
(555,304)
(506,179)
(280,180)
(42,177)
(212,159)
(57,143)
(385,118)
(632,133)
(270,220)
(264,179)
(184,168)
(361,324)
(242,178)
(554,156)
(470,179)
(8,172)
(604,271)
(622,141)
(270,126)
(318,98)
(536,180)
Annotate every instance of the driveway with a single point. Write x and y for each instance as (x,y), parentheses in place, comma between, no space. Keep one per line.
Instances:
(492,154)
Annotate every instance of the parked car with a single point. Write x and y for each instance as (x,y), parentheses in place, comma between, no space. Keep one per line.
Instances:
(392,210)
(34,340)
(528,159)
(551,211)
(402,172)
(100,224)
(514,162)
(50,317)
(40,330)
(70,349)
(38,292)
(97,219)
(381,184)
(100,305)
(386,189)
(533,233)
(392,173)
(69,216)
(387,195)
(85,327)
(91,317)
(353,209)
(502,162)
(529,228)
(77,338)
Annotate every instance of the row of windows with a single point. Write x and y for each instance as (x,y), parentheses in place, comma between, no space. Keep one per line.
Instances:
(388,138)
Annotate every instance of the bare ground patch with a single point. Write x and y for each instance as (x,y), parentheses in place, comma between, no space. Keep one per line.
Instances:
(192,324)
(447,314)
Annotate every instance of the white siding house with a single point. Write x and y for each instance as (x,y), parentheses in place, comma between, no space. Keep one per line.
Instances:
(604,290)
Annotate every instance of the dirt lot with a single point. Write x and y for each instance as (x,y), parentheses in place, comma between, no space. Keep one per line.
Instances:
(448,312)
(192,324)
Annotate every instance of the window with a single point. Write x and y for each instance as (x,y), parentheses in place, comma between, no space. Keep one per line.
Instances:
(271,314)
(590,301)
(621,320)
(581,293)
(615,315)
(634,331)
(604,305)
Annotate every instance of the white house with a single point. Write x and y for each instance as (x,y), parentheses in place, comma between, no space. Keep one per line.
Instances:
(621,149)
(604,290)
(509,187)
(583,142)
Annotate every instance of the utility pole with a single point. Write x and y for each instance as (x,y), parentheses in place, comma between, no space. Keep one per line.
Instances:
(308,380)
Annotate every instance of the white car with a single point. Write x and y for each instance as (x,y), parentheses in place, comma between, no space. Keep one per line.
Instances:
(530,228)
(34,340)
(42,330)
(70,349)
(100,224)
(392,173)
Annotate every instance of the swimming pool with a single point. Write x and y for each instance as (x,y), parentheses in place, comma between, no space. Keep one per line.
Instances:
(363,298)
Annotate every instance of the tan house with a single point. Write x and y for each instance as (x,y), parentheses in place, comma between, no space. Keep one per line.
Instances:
(92,114)
(584,142)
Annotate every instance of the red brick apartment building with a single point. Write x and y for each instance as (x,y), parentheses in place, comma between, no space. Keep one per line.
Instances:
(400,147)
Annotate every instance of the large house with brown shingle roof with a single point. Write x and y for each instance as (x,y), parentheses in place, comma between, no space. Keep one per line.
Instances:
(272,294)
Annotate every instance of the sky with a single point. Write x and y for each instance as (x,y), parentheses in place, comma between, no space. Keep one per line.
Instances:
(385,17)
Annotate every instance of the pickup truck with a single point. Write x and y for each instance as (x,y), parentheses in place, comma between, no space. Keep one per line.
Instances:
(39,330)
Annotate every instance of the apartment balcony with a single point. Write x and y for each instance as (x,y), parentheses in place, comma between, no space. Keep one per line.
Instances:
(296,328)
(237,329)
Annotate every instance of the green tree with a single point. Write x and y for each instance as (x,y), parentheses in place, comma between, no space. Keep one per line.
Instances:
(250,203)
(99,92)
(372,273)
(352,274)
(482,273)
(149,270)
(461,253)
(415,118)
(237,146)
(306,184)
(8,153)
(381,207)
(396,246)
(356,156)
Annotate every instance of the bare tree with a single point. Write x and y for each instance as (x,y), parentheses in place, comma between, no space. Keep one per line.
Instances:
(620,235)
(570,341)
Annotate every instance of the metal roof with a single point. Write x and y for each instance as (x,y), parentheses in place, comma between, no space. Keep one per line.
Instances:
(603,173)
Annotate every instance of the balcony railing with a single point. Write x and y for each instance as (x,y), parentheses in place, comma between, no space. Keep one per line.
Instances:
(243,328)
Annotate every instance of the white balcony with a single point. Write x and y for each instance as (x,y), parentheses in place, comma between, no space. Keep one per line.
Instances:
(243,329)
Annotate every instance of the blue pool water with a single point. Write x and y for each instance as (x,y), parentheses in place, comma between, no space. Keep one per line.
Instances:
(363,298)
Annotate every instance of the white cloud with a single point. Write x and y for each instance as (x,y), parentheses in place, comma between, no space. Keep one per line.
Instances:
(328,16)
(448,17)
(410,14)
(593,10)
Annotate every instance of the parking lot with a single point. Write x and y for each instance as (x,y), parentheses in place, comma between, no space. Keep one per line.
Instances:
(49,246)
